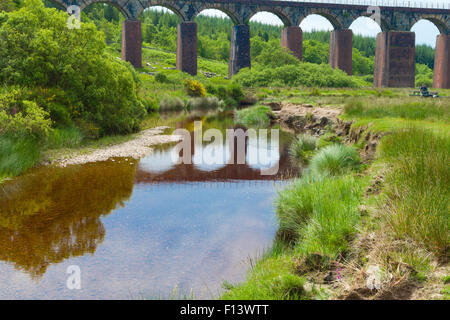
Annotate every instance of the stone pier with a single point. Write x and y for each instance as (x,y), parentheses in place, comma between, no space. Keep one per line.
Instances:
(341,43)
(442,62)
(132,42)
(187,47)
(395,59)
(240,49)
(292,39)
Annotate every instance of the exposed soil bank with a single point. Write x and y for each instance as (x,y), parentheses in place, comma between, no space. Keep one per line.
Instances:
(135,148)
(305,117)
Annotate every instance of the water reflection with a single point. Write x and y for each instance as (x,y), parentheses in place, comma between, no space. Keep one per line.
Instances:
(138,228)
(51,215)
(159,166)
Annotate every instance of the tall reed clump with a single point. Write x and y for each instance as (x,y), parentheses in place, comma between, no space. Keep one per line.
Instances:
(257,116)
(319,214)
(18,154)
(303,146)
(334,160)
(417,191)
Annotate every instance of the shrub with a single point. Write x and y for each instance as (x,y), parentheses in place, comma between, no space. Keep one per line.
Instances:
(303,74)
(23,118)
(161,77)
(303,146)
(232,95)
(38,50)
(277,57)
(334,160)
(194,88)
(257,116)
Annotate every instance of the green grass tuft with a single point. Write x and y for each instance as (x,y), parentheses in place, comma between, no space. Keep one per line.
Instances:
(320,214)
(302,147)
(257,116)
(334,160)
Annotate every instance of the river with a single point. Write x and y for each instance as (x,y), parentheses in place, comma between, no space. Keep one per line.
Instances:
(143,229)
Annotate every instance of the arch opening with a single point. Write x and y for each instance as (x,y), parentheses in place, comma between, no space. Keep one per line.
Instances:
(108,18)
(265,31)
(217,12)
(269,17)
(316,22)
(366,27)
(426,33)
(159,28)
(214,34)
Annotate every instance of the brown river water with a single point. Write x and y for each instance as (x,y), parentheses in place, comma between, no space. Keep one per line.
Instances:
(138,229)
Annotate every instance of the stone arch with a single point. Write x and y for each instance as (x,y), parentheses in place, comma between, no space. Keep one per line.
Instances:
(384,26)
(61,4)
(441,22)
(332,17)
(225,8)
(284,18)
(114,3)
(170,5)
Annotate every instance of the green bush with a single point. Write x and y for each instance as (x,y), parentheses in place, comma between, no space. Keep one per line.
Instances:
(161,77)
(333,160)
(194,88)
(20,117)
(303,74)
(38,50)
(257,116)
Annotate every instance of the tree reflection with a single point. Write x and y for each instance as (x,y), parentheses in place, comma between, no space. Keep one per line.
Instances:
(53,214)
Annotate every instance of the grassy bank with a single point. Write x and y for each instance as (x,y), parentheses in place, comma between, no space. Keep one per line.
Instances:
(341,221)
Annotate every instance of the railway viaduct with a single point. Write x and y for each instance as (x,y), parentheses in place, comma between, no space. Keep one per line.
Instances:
(395,47)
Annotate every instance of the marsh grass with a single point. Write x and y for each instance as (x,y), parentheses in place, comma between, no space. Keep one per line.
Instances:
(303,147)
(319,214)
(257,116)
(273,278)
(64,138)
(18,155)
(406,108)
(334,160)
(417,189)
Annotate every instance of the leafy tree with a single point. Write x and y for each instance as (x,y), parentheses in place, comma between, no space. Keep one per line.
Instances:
(38,50)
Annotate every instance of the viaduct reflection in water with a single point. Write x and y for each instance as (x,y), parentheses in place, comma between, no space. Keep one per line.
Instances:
(53,214)
(160,168)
